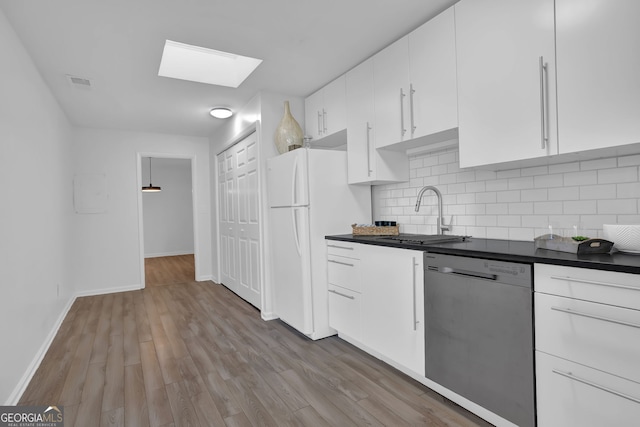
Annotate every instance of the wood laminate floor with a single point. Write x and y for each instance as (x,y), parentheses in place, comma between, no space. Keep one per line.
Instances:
(195,354)
(168,270)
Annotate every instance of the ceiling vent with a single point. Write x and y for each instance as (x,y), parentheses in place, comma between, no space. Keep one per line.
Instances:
(79,82)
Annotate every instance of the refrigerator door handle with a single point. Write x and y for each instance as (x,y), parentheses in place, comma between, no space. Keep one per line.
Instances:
(294,183)
(296,235)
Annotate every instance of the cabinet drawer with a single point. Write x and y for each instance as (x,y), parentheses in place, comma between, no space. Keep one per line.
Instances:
(569,394)
(346,249)
(607,287)
(344,311)
(344,272)
(597,335)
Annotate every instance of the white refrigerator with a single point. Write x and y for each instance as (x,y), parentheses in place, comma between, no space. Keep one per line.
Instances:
(309,198)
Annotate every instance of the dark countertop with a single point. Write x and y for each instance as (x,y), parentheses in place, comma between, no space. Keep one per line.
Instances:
(511,250)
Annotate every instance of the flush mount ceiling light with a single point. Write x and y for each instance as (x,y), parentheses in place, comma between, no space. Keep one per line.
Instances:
(150,188)
(199,64)
(221,112)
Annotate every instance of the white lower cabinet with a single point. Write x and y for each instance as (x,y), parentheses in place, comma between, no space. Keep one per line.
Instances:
(344,311)
(587,325)
(376,300)
(344,277)
(574,395)
(393,304)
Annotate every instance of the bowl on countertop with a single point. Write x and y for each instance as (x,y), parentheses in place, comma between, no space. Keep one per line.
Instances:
(625,238)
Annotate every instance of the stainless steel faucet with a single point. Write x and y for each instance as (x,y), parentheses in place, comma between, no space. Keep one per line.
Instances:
(441,226)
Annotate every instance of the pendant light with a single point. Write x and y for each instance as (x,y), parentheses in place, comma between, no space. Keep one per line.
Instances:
(150,188)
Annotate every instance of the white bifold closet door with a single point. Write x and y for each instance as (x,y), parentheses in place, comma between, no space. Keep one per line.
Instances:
(238,219)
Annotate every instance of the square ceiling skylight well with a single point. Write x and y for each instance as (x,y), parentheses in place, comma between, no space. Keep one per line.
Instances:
(199,64)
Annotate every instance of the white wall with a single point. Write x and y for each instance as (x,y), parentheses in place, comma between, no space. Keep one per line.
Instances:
(168,215)
(35,214)
(516,204)
(106,251)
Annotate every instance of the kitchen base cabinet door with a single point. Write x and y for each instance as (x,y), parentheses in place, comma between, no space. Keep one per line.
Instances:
(392,305)
(344,311)
(573,395)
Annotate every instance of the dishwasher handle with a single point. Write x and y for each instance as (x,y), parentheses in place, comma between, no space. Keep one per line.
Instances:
(467,273)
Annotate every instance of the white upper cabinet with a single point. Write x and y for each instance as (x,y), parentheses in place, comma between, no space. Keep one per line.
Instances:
(433,104)
(415,83)
(391,86)
(325,114)
(506,86)
(598,48)
(365,163)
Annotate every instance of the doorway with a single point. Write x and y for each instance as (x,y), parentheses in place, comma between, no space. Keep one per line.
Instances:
(167,226)
(238,219)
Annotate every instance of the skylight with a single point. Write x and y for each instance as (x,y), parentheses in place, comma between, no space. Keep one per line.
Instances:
(199,64)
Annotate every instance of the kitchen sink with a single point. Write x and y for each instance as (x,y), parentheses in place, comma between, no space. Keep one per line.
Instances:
(422,239)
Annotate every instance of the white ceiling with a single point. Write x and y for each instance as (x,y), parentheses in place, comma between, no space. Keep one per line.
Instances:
(117,44)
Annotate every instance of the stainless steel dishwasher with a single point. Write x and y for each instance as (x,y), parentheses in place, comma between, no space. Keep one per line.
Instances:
(479,332)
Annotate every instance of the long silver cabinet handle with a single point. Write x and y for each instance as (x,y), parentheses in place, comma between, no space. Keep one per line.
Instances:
(368,151)
(324,120)
(402,129)
(341,263)
(341,294)
(595,316)
(319,123)
(543,102)
(592,384)
(340,247)
(415,315)
(593,282)
(411,92)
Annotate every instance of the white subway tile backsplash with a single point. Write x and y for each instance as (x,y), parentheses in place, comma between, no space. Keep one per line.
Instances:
(564,193)
(447,157)
(525,208)
(487,220)
(514,204)
(629,190)
(538,170)
(497,208)
(466,199)
(548,208)
(508,196)
(598,164)
(626,174)
(535,221)
(596,192)
(582,207)
(581,178)
(564,167)
(521,183)
(487,197)
(629,160)
(548,181)
(513,173)
(497,185)
(509,220)
(534,195)
(620,207)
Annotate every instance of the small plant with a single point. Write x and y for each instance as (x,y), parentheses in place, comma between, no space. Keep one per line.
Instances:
(580,238)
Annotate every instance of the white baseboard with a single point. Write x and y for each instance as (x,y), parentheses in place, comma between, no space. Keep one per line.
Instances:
(105,291)
(204,278)
(161,254)
(15,396)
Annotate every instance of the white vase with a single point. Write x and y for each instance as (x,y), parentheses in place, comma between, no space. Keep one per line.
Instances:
(288,135)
